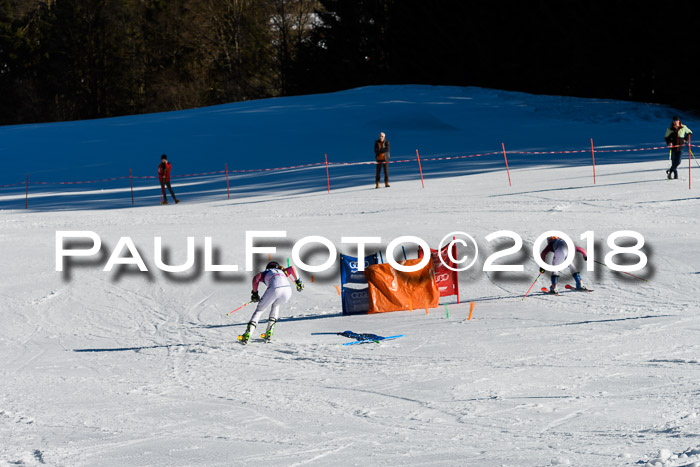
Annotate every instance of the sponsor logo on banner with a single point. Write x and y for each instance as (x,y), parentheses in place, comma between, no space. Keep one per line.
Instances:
(356,295)
(354,265)
(442,277)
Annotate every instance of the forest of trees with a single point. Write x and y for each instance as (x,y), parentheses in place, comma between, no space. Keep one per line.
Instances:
(82,59)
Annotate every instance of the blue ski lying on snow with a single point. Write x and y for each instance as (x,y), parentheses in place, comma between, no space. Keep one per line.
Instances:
(568,287)
(363,338)
(366,338)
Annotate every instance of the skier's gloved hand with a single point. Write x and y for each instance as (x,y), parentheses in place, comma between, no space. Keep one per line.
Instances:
(300,286)
(541,270)
(585,258)
(254,297)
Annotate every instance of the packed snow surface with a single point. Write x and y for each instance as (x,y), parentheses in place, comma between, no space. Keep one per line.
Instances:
(143,368)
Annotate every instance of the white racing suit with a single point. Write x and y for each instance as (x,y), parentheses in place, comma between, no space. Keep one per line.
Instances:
(278,291)
(560,252)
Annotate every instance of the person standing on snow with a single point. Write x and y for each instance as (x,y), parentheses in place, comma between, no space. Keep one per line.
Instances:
(381,155)
(560,252)
(164,178)
(278,292)
(676,137)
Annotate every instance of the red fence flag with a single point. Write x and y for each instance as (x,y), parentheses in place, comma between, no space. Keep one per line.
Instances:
(420,169)
(593,156)
(506,159)
(228,188)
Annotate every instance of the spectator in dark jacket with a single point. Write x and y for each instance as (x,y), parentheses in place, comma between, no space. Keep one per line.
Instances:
(676,137)
(381,154)
(164,177)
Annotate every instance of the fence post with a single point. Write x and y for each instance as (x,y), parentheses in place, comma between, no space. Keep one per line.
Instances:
(593,156)
(26,196)
(131,181)
(328,178)
(420,169)
(228,189)
(506,158)
(689,161)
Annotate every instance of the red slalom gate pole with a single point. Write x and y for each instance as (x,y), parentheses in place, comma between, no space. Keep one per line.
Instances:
(228,190)
(506,158)
(131,181)
(593,156)
(328,177)
(454,254)
(26,196)
(420,169)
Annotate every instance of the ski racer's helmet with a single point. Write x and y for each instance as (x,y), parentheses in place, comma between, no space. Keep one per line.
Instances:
(551,239)
(273,265)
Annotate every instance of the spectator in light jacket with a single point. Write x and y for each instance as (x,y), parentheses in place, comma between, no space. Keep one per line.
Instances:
(381,155)
(676,137)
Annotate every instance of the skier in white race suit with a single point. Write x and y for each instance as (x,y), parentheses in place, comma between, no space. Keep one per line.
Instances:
(560,252)
(278,292)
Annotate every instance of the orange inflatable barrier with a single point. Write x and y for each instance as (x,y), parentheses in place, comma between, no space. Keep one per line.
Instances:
(392,290)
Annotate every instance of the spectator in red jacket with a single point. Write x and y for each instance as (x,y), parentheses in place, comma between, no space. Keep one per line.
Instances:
(164,177)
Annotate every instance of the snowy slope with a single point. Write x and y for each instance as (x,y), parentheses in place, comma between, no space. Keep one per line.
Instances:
(284,132)
(130,368)
(300,130)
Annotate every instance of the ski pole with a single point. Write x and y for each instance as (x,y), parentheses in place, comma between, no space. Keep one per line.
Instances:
(247,303)
(691,153)
(528,290)
(623,272)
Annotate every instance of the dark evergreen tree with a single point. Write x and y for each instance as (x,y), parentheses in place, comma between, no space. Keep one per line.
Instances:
(17,60)
(85,68)
(169,55)
(292,24)
(74,59)
(348,47)
(235,40)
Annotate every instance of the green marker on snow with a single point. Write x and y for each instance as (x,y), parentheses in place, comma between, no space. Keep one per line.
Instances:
(447,312)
